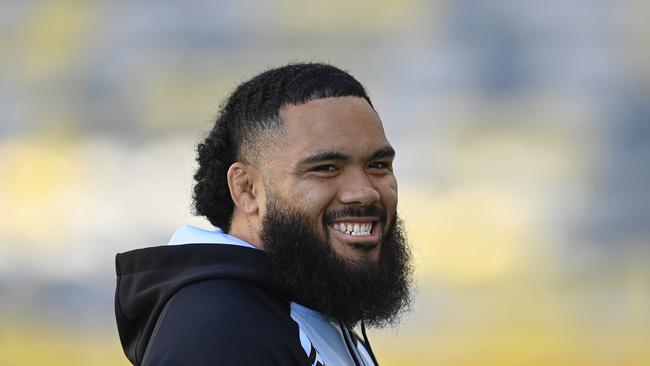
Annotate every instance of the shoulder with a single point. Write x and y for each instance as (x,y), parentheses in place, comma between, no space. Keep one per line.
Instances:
(229,321)
(222,303)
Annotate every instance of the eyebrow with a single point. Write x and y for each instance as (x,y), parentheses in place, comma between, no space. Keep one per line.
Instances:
(323,155)
(384,152)
(329,155)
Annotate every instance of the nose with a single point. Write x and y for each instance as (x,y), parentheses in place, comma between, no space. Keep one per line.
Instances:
(359,190)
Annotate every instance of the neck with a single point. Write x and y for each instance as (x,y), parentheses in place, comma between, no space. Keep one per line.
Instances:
(243,228)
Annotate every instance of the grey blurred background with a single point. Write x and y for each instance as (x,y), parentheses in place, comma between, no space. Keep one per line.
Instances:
(522,132)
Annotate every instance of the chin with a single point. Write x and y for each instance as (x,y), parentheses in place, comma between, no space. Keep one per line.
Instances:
(357,254)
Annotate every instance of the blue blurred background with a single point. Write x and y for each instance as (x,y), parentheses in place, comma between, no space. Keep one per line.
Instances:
(522,132)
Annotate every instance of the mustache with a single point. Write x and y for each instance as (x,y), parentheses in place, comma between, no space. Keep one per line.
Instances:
(355,211)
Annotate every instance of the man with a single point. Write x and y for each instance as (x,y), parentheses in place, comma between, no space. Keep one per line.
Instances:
(297,176)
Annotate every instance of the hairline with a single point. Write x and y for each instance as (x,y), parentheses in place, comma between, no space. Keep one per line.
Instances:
(254,144)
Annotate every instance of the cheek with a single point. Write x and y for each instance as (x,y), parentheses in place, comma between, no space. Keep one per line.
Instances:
(388,191)
(318,198)
(314,197)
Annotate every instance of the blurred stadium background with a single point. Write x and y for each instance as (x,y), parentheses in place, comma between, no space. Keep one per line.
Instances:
(523,139)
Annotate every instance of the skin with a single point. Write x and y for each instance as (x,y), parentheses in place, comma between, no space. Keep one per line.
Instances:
(333,153)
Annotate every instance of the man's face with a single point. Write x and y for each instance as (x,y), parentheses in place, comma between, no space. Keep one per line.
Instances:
(335,167)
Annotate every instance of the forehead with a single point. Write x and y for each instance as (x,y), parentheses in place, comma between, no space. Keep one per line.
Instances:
(344,124)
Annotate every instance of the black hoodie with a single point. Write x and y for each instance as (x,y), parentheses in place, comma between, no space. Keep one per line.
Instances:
(203,304)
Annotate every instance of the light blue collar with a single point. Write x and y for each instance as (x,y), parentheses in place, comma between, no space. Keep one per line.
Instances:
(189,234)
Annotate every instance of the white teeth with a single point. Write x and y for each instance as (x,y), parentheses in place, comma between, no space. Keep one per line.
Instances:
(354,229)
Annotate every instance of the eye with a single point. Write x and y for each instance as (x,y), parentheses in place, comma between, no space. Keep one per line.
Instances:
(324,168)
(382,165)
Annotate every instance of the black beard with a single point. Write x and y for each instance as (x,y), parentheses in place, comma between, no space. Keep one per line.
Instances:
(303,262)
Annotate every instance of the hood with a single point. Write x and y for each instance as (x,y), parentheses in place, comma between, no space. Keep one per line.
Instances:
(147,278)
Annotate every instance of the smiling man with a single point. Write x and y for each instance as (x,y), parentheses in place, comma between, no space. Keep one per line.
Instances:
(297,177)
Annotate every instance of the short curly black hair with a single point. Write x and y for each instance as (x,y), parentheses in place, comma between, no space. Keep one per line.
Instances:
(253,108)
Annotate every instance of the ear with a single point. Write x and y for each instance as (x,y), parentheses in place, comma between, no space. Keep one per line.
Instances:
(241,182)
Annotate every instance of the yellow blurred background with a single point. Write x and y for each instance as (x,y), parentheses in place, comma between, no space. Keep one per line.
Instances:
(522,132)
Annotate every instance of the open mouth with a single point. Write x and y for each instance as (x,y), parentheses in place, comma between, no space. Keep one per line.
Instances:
(360,233)
(354,228)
